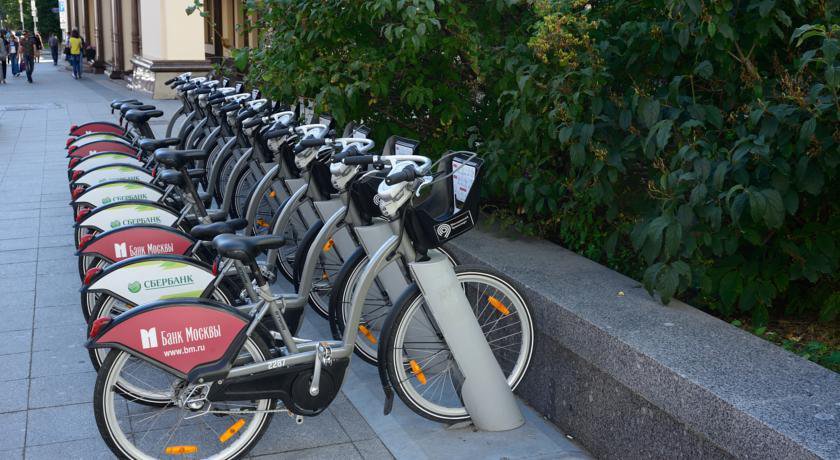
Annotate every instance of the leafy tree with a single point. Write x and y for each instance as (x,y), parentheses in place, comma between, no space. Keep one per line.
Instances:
(695,138)
(47,20)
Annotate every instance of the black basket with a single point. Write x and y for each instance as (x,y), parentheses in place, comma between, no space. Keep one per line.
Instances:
(363,193)
(450,209)
(320,173)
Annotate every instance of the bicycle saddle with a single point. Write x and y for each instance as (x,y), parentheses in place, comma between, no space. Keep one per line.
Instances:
(117,103)
(246,248)
(150,145)
(206,232)
(177,159)
(135,106)
(170,177)
(176,178)
(140,116)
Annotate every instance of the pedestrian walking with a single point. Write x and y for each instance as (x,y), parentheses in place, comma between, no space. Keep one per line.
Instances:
(4,55)
(13,54)
(39,45)
(76,53)
(54,48)
(28,49)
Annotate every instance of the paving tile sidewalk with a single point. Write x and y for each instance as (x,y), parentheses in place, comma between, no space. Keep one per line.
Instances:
(46,381)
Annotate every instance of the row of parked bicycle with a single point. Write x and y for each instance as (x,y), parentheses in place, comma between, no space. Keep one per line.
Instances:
(198,253)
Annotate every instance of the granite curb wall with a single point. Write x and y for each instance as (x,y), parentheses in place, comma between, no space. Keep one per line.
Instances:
(630,378)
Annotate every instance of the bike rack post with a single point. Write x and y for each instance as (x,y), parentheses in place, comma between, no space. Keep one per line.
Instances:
(485,391)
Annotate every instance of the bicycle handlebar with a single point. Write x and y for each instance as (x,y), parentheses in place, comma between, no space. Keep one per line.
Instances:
(244,115)
(275,133)
(230,106)
(312,142)
(348,152)
(405,175)
(309,142)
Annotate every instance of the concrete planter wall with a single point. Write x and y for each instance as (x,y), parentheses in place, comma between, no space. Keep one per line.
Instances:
(631,378)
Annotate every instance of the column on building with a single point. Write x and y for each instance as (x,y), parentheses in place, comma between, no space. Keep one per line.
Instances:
(172,42)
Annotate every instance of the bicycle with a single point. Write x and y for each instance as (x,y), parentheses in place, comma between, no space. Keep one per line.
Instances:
(206,360)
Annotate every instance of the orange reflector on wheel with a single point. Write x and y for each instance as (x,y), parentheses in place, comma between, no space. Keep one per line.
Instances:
(415,369)
(498,305)
(329,245)
(366,332)
(272,194)
(325,275)
(181,450)
(232,430)
(262,223)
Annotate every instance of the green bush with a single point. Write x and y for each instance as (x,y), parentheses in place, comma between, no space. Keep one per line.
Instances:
(696,139)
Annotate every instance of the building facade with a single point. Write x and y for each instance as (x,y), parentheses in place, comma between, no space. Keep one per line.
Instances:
(147,42)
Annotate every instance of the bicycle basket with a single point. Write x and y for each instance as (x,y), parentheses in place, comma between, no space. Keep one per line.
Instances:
(363,193)
(320,173)
(450,209)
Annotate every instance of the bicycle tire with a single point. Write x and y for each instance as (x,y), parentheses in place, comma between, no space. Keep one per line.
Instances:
(342,293)
(410,302)
(105,381)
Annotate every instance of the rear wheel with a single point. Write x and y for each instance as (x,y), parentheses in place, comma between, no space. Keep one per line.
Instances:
(246,181)
(186,423)
(421,367)
(269,206)
(225,174)
(88,299)
(81,232)
(294,232)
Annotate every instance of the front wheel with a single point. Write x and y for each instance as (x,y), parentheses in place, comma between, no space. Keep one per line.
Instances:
(184,426)
(378,305)
(325,272)
(418,361)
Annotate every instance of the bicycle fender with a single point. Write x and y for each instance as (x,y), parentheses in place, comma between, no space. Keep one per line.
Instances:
(102,127)
(95,137)
(177,336)
(103,159)
(118,191)
(144,279)
(116,215)
(99,147)
(138,240)
(110,173)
